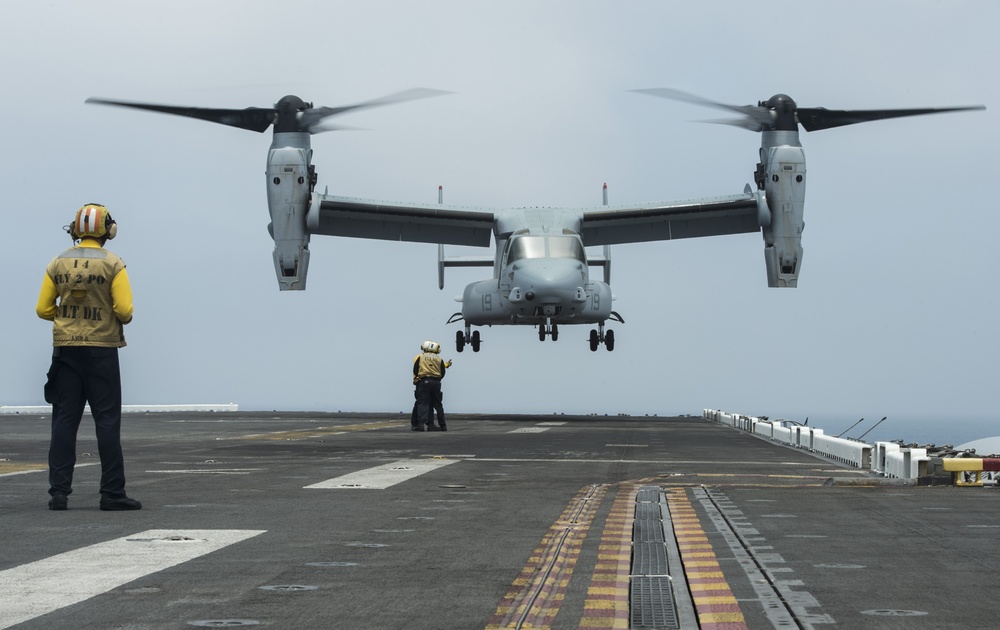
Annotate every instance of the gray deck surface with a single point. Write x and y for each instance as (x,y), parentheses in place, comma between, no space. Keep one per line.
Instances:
(442,549)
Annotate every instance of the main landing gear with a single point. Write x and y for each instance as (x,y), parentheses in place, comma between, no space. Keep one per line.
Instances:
(599,336)
(469,336)
(472,338)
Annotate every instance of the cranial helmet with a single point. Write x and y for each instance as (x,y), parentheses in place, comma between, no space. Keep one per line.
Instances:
(431,346)
(95,221)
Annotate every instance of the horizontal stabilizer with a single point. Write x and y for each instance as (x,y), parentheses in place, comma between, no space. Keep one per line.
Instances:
(459,261)
(468,261)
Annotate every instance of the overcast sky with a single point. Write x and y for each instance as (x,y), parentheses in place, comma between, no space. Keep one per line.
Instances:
(896,309)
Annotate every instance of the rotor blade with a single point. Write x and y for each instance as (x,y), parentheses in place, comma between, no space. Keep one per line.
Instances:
(312,116)
(324,127)
(678,95)
(743,123)
(252,118)
(760,116)
(818,118)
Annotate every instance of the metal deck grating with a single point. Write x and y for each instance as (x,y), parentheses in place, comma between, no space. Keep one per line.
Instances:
(649,559)
(647,510)
(652,604)
(647,530)
(650,494)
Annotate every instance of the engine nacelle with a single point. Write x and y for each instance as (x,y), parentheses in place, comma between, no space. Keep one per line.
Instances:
(785,192)
(288,198)
(599,298)
(483,304)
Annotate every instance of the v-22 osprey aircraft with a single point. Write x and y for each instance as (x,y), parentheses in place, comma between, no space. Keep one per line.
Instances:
(541,272)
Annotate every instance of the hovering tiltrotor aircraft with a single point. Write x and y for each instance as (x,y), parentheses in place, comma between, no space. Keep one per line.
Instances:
(540,268)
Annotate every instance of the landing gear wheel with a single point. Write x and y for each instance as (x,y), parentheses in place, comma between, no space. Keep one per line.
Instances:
(541,332)
(459,340)
(594,340)
(475,341)
(609,340)
(555,332)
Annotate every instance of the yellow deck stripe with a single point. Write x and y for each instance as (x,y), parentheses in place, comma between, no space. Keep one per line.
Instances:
(607,603)
(708,594)
(9,468)
(546,594)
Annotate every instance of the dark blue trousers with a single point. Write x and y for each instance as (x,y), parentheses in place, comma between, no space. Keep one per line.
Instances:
(81,375)
(429,400)
(436,406)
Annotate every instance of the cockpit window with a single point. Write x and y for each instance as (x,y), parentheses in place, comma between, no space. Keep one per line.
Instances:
(526,247)
(534,247)
(566,247)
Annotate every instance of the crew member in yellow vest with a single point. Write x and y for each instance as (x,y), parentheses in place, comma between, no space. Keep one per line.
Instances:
(438,408)
(428,370)
(87,297)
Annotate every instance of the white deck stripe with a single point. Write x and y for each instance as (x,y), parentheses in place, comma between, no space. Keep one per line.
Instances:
(45,469)
(382,477)
(47,409)
(23,472)
(41,587)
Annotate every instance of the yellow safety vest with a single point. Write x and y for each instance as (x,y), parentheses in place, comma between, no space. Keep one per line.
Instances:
(430,365)
(85,314)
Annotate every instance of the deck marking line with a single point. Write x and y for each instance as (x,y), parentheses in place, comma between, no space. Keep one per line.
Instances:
(782,605)
(316,432)
(38,588)
(714,601)
(536,594)
(607,602)
(8,469)
(384,476)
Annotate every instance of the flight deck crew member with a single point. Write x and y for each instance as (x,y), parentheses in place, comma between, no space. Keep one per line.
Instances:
(416,401)
(428,370)
(436,407)
(87,297)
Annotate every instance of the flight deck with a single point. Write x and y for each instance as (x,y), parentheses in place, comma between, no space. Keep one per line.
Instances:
(316,520)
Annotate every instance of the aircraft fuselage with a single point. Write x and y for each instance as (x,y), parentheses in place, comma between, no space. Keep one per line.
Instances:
(543,279)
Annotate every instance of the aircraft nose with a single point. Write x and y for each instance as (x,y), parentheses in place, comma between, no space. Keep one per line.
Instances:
(551,281)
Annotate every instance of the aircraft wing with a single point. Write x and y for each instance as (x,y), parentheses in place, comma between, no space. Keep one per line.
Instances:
(610,225)
(391,221)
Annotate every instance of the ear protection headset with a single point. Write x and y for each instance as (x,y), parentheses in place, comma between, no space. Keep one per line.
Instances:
(93,220)
(431,346)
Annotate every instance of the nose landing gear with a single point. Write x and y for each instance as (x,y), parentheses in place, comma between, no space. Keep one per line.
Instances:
(548,330)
